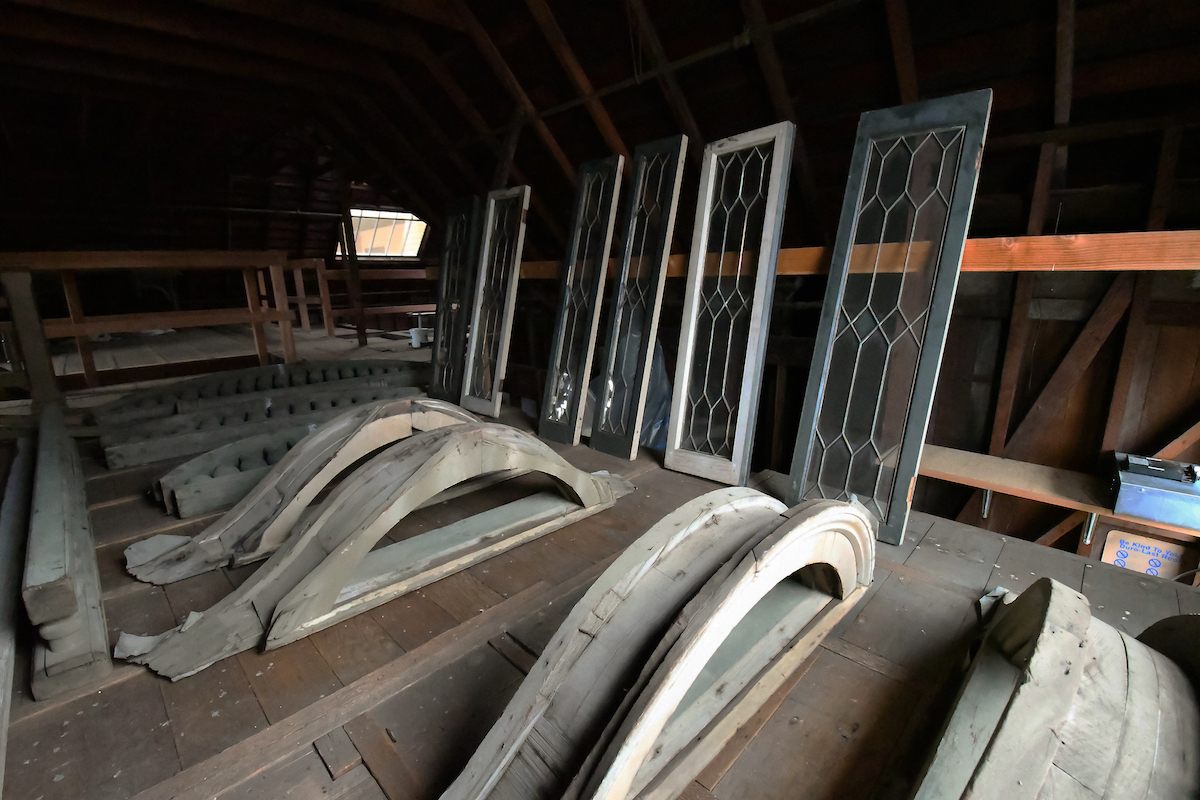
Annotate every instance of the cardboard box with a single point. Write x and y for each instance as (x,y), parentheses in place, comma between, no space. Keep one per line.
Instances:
(1144,554)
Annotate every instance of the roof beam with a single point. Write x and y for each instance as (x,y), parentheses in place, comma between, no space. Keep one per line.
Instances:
(566,56)
(491,54)
(902,49)
(666,77)
(432,11)
(785,108)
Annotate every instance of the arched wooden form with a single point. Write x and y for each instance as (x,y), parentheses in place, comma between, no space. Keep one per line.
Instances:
(332,543)
(1059,704)
(745,632)
(576,686)
(256,525)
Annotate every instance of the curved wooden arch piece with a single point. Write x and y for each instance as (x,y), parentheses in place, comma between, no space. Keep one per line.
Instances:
(743,634)
(332,542)
(1060,704)
(255,526)
(576,686)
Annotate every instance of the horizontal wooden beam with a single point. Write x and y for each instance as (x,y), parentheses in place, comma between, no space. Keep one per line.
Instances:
(400,274)
(374,311)
(65,328)
(83,260)
(1090,252)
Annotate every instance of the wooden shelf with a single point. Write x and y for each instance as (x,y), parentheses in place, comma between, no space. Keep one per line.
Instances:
(1057,487)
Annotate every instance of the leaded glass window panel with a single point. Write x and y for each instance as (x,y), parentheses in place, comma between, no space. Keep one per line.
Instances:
(727,308)
(460,257)
(583,273)
(891,287)
(495,299)
(651,202)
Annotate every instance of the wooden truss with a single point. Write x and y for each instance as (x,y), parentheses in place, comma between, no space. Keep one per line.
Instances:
(1060,704)
(266,515)
(247,383)
(727,303)
(624,702)
(495,299)
(327,569)
(583,273)
(637,296)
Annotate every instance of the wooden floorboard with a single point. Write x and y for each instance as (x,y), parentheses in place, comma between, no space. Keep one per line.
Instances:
(872,694)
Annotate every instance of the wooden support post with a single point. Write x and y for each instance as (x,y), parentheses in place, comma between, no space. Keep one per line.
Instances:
(301,298)
(350,253)
(666,77)
(1010,373)
(82,344)
(286,334)
(326,302)
(1133,370)
(902,50)
(1064,77)
(1164,179)
(254,303)
(39,369)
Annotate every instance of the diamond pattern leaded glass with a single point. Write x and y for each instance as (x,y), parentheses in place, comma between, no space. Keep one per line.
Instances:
(584,270)
(455,284)
(885,316)
(495,298)
(731,277)
(637,297)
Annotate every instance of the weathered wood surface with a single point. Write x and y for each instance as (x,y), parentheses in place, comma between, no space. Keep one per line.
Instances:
(163,401)
(61,586)
(221,477)
(14,526)
(202,431)
(1060,704)
(560,712)
(304,577)
(266,516)
(743,635)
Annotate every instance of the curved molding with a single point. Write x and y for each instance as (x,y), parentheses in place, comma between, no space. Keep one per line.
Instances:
(1059,704)
(743,634)
(264,517)
(575,687)
(304,578)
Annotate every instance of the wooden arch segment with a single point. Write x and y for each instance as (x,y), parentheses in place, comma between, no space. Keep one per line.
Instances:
(1059,704)
(256,525)
(325,571)
(745,632)
(548,728)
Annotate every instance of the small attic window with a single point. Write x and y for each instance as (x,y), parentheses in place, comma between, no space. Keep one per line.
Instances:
(379,233)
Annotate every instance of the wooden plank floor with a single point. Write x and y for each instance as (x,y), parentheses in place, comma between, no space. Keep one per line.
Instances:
(392,703)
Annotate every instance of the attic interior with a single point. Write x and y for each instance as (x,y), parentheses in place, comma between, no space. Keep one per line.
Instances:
(714,399)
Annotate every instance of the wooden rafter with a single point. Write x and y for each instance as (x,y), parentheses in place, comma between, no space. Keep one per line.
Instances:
(495,60)
(666,77)
(900,33)
(433,11)
(1064,78)
(557,40)
(781,101)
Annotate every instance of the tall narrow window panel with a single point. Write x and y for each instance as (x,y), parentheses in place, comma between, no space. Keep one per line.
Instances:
(727,306)
(652,199)
(891,286)
(583,272)
(495,299)
(460,257)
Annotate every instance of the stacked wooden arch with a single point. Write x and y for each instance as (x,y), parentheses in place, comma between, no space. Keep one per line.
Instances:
(675,645)
(325,568)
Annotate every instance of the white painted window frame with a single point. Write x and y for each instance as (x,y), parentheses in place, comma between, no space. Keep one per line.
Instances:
(490,406)
(734,470)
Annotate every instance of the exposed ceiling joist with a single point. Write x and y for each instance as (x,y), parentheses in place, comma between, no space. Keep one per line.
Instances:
(666,77)
(902,49)
(495,60)
(566,56)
